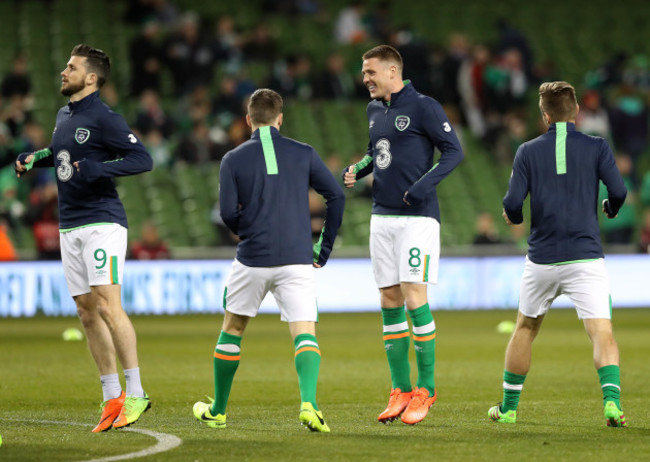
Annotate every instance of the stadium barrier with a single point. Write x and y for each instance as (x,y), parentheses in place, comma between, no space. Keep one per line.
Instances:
(179,287)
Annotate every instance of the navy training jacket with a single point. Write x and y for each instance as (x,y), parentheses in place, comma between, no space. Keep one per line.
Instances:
(89,132)
(561,170)
(264,199)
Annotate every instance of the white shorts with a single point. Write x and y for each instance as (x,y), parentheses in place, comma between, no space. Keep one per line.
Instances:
(292,286)
(93,256)
(404,249)
(585,283)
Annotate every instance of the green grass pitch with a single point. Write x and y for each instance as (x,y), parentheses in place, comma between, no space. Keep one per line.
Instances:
(44,379)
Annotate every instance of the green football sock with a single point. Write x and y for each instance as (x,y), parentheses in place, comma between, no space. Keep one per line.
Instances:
(424,341)
(610,383)
(512,386)
(396,344)
(226,361)
(307,361)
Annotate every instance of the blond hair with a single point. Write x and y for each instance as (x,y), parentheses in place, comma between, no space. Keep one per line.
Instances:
(558,100)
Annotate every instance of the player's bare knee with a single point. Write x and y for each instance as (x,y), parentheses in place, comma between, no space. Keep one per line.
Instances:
(391,297)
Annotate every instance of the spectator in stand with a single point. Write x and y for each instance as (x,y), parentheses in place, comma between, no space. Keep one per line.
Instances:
(15,114)
(472,89)
(151,115)
(486,230)
(158,147)
(610,73)
(379,21)
(227,44)
(197,147)
(457,52)
(336,82)
(150,246)
(227,106)
(189,56)
(506,82)
(511,38)
(192,108)
(437,65)
(620,230)
(412,51)
(630,118)
(637,73)
(165,13)
(349,27)
(592,118)
(145,58)
(43,216)
(17,82)
(261,45)
(292,79)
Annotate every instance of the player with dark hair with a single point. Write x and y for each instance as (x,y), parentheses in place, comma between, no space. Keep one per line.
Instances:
(561,171)
(90,146)
(405,127)
(264,199)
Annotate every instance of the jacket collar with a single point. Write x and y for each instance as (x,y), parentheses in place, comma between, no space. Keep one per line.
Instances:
(403,93)
(570,126)
(256,134)
(84,102)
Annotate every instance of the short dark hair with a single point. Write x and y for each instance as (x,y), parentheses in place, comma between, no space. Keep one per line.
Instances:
(558,100)
(264,106)
(97,62)
(385,53)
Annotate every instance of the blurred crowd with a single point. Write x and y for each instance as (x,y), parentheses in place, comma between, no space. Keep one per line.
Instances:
(190,77)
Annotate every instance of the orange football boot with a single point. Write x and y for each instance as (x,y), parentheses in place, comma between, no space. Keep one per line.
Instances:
(419,406)
(110,410)
(396,404)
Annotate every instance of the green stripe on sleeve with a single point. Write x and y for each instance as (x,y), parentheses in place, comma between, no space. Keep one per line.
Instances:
(363,163)
(38,155)
(318,246)
(560,148)
(269,151)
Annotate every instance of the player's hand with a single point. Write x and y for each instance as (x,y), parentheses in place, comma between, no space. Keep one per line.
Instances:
(505,217)
(316,265)
(606,209)
(350,178)
(21,167)
(88,170)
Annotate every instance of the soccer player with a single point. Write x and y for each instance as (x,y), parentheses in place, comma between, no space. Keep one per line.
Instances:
(264,199)
(561,170)
(90,145)
(405,127)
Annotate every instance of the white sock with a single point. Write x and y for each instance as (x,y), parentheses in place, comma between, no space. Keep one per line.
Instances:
(111,387)
(133,385)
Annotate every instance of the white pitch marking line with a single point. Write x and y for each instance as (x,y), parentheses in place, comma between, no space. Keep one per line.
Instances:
(165,442)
